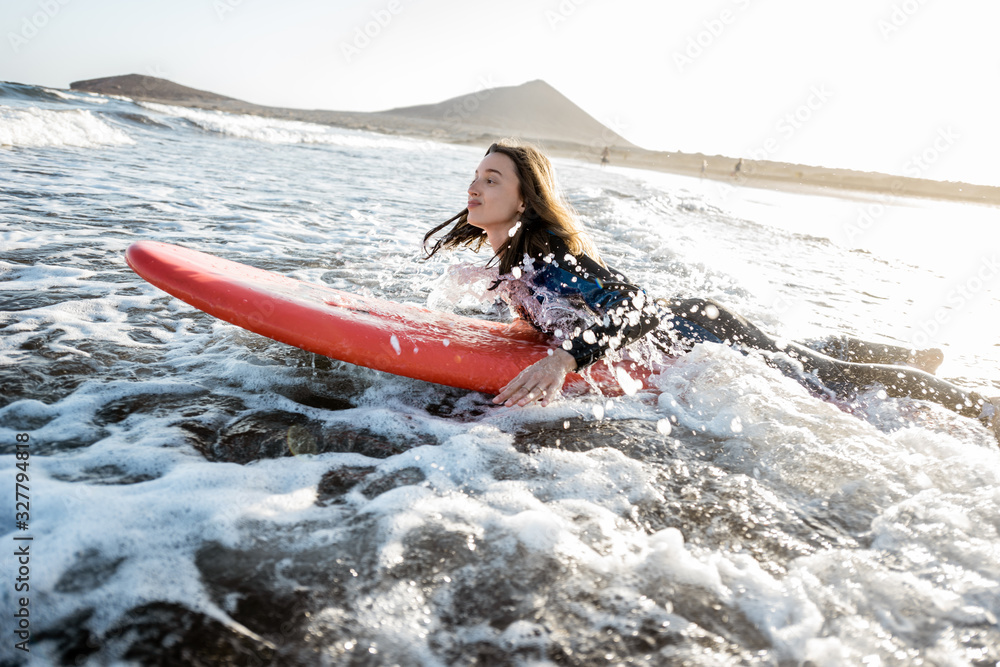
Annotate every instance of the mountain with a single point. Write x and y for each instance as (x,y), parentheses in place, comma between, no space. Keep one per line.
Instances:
(533,109)
(141,87)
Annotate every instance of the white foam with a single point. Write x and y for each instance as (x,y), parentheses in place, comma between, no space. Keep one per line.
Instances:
(78,128)
(90,98)
(278,131)
(572,506)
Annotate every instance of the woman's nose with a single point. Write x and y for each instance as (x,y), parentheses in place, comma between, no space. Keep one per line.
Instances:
(473,189)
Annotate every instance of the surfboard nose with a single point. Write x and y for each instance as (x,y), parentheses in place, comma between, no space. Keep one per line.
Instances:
(141,255)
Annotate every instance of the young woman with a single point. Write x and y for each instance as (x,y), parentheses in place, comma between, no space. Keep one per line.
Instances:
(552,276)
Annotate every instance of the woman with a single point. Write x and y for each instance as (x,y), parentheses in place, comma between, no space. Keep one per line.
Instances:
(553,277)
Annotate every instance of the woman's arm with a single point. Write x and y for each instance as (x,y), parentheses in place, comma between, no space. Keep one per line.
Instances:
(626,315)
(621,312)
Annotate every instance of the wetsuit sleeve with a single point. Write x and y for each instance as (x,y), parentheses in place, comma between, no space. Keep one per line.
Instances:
(624,313)
(625,316)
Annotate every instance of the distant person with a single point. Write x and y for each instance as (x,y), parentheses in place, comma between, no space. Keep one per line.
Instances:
(552,276)
(704,167)
(605,155)
(738,169)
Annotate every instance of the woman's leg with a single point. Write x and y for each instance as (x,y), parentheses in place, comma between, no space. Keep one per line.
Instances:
(898,381)
(848,348)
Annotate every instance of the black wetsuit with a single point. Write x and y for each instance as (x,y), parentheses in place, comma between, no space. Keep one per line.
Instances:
(593,310)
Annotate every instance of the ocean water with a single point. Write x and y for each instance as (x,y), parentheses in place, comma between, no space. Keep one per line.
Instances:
(202,495)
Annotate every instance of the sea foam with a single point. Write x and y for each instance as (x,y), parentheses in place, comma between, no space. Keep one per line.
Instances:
(79,128)
(278,131)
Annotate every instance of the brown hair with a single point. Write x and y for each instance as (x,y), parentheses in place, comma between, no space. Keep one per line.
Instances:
(545,212)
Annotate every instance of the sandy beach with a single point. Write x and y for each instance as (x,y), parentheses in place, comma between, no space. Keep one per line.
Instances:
(536,112)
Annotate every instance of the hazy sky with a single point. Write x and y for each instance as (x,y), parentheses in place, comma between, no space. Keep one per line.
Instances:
(902,86)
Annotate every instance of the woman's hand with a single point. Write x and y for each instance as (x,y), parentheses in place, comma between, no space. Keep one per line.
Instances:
(541,381)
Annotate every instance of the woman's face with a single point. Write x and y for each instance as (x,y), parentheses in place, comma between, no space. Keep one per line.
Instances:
(495,195)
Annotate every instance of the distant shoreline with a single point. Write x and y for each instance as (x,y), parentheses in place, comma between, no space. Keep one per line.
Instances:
(454,128)
(766,175)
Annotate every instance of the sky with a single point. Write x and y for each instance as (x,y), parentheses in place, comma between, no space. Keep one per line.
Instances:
(908,87)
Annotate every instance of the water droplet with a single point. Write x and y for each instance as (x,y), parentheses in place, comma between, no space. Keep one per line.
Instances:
(300,441)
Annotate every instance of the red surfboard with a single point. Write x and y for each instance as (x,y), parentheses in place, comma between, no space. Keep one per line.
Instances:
(405,340)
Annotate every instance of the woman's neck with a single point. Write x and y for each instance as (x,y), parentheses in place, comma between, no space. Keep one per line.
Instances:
(498,235)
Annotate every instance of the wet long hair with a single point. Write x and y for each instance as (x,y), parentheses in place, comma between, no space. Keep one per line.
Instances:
(545,213)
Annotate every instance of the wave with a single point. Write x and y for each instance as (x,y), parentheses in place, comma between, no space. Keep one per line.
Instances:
(22,91)
(140,119)
(278,131)
(36,116)
(34,128)
(81,96)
